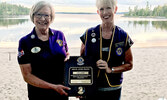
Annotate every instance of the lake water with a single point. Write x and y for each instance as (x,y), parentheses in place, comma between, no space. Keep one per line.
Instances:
(143,31)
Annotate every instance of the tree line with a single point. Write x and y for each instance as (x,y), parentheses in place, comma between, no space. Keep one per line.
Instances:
(12,10)
(160,11)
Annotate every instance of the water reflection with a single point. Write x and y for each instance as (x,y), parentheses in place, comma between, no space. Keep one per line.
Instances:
(156,24)
(160,25)
(8,22)
(140,30)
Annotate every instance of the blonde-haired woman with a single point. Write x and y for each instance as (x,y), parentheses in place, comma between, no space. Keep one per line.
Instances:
(110,46)
(41,56)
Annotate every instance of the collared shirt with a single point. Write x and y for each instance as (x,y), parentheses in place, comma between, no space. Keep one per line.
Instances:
(46,57)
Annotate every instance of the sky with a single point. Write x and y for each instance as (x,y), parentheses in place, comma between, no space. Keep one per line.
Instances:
(87,5)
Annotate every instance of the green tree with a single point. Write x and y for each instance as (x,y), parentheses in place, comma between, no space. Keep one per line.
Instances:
(157,11)
(9,10)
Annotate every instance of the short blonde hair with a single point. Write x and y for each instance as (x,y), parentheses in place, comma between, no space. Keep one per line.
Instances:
(111,3)
(39,5)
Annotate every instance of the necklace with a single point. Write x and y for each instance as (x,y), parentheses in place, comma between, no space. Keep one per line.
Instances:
(108,56)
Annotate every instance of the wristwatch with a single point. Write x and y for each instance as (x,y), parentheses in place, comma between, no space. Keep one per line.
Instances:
(112,70)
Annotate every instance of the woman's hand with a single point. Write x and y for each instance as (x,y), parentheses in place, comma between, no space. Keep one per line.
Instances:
(61,89)
(101,64)
(67,56)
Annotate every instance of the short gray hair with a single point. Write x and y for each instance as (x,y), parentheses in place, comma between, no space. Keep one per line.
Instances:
(112,3)
(39,5)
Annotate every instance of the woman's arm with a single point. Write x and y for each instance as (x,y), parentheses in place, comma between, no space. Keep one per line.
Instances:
(82,50)
(128,65)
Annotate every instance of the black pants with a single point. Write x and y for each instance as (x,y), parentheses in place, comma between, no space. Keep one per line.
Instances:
(105,95)
(48,98)
(46,95)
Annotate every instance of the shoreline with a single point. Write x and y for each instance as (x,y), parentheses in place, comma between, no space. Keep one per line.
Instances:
(131,18)
(75,51)
(136,45)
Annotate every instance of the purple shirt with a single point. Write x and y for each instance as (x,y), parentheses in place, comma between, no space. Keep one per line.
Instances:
(46,58)
(29,43)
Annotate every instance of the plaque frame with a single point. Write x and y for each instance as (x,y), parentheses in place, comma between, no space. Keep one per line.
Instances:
(83,80)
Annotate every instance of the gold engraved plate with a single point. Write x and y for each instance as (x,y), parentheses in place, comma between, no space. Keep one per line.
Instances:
(81,75)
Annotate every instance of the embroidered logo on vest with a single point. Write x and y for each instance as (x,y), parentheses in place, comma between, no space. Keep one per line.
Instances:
(119,51)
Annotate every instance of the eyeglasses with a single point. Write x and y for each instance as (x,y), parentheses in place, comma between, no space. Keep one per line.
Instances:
(46,16)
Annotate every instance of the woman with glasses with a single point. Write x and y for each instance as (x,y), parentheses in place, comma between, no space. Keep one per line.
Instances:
(41,56)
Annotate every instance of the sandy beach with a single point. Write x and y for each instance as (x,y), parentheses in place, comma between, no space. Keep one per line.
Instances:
(146,81)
